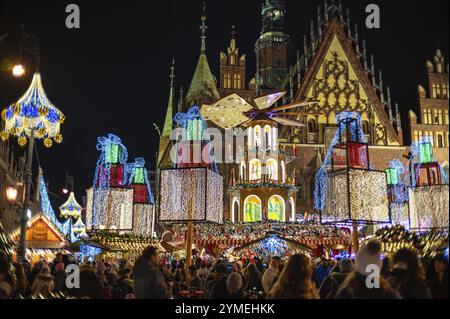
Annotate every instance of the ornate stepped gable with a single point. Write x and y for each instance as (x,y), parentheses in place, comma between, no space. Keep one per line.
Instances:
(332,72)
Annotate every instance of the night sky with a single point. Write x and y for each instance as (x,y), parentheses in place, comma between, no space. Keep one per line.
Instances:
(112,75)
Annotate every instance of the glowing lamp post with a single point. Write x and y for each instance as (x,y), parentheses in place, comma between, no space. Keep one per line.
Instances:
(32,117)
(18,70)
(11,194)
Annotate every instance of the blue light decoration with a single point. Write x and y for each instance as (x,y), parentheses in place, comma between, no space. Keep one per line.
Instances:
(321,178)
(113,157)
(137,174)
(271,246)
(47,210)
(398,192)
(195,129)
(89,252)
(33,115)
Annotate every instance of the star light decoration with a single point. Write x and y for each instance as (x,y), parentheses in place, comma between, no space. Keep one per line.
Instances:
(71,208)
(33,115)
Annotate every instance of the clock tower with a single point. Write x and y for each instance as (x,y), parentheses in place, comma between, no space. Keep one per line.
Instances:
(272,48)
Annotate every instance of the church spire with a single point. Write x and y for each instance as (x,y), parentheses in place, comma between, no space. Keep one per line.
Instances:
(203,87)
(203,28)
(170,105)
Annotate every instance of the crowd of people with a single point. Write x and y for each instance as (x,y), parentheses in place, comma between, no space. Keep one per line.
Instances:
(405,275)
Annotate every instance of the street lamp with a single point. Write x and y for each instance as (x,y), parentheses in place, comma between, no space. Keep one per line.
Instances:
(18,70)
(11,194)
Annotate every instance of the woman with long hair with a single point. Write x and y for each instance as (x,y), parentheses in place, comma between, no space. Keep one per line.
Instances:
(408,275)
(252,278)
(439,281)
(295,281)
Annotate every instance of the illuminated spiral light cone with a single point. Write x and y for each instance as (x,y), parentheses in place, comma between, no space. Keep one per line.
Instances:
(33,114)
(70,208)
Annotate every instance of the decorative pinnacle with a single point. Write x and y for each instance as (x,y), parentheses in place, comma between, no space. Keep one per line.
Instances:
(203,28)
(172,72)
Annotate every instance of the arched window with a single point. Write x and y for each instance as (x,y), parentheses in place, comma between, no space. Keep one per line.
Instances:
(257,135)
(312,126)
(235,209)
(239,87)
(252,209)
(267,136)
(272,169)
(291,201)
(276,208)
(365,127)
(255,169)
(242,171)
(283,171)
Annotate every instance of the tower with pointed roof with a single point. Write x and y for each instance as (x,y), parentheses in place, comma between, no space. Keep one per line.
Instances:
(203,87)
(164,139)
(272,48)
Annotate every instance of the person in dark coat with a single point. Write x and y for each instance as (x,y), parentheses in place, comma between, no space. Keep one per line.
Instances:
(149,282)
(216,287)
(408,276)
(124,285)
(355,285)
(60,278)
(252,278)
(438,281)
(331,284)
(195,282)
(90,286)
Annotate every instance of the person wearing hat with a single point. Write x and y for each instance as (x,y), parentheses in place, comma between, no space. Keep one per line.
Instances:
(355,286)
(331,284)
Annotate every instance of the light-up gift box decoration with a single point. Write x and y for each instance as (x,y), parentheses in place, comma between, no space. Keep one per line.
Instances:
(355,193)
(178,185)
(350,151)
(143,201)
(427,171)
(193,149)
(121,198)
(429,196)
(397,194)
(193,191)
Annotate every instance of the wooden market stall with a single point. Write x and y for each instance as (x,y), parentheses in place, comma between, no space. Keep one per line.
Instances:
(43,239)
